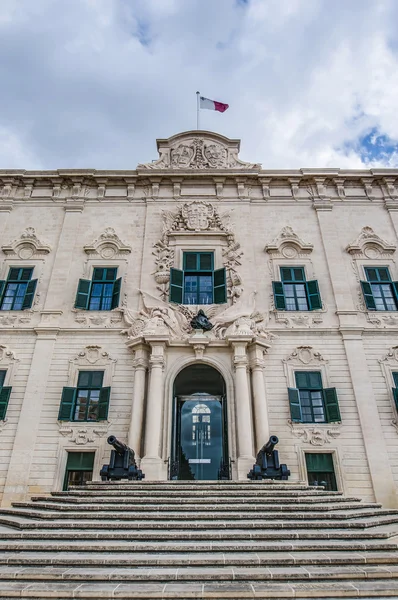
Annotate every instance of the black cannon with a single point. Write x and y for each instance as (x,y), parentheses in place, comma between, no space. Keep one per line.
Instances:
(267,463)
(122,463)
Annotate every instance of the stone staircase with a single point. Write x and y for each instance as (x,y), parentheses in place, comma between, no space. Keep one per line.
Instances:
(181,540)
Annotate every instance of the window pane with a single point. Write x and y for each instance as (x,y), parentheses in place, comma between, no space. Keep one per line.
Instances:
(93,405)
(205,262)
(301,379)
(300,290)
(288,289)
(315,380)
(384,275)
(97,378)
(98,274)
(286,274)
(84,379)
(371,274)
(81,405)
(110,274)
(299,274)
(2,377)
(26,274)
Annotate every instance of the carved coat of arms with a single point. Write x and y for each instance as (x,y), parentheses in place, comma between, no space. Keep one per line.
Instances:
(197,215)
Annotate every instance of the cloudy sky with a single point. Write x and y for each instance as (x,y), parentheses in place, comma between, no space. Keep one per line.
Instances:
(93,83)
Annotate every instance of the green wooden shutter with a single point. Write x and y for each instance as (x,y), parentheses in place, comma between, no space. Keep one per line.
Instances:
(220,286)
(4,398)
(2,286)
(313,295)
(394,285)
(395,394)
(103,403)
(116,293)
(279,295)
(368,295)
(67,404)
(295,407)
(331,405)
(176,285)
(29,294)
(83,294)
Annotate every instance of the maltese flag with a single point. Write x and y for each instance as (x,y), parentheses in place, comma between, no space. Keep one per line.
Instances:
(213,105)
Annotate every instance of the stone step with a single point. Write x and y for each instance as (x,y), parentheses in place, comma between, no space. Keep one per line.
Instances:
(220,573)
(101,559)
(48,512)
(193,506)
(25,522)
(159,499)
(186,545)
(265,493)
(364,589)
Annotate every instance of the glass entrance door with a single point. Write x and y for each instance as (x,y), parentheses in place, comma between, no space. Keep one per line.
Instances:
(200,437)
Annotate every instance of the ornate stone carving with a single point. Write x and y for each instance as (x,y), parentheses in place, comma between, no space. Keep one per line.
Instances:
(92,355)
(291,321)
(197,217)
(316,436)
(370,245)
(26,246)
(83,435)
(288,245)
(112,319)
(305,355)
(198,150)
(8,361)
(158,317)
(10,320)
(107,245)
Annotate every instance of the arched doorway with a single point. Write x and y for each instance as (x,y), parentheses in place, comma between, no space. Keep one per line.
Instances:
(200,432)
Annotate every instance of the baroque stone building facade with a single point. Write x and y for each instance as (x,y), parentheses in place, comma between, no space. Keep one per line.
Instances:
(101,273)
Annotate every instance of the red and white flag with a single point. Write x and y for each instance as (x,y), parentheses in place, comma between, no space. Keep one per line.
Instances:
(213,105)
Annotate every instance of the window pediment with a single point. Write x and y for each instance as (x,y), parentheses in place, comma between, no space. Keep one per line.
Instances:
(288,245)
(27,246)
(107,245)
(369,245)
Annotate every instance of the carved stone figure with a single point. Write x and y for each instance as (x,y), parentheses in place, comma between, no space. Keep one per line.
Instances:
(200,321)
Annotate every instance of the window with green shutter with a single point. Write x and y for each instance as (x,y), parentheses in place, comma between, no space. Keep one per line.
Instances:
(102,292)
(79,468)
(5,393)
(17,292)
(380,293)
(198,282)
(89,401)
(320,470)
(293,292)
(395,389)
(310,402)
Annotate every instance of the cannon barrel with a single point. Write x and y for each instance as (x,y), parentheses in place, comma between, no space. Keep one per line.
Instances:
(270,445)
(118,446)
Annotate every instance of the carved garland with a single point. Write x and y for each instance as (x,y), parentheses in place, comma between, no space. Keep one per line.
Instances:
(195,217)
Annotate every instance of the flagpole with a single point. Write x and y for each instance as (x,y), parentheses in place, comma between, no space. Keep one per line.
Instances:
(197,109)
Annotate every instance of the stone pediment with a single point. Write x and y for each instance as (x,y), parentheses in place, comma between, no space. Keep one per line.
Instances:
(199,150)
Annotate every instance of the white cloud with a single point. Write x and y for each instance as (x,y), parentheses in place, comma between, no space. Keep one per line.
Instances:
(92,83)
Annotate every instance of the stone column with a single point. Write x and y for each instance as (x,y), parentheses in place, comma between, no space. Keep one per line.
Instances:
(140,365)
(375,445)
(243,409)
(260,408)
(151,464)
(17,482)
